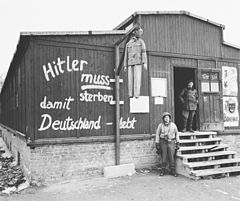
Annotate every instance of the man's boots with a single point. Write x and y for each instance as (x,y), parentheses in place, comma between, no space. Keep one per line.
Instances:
(173,172)
(184,125)
(190,125)
(162,171)
(184,130)
(191,130)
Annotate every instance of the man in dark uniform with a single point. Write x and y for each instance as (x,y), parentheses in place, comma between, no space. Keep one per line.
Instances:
(167,141)
(189,100)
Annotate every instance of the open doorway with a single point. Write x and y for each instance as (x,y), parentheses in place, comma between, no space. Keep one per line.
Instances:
(181,77)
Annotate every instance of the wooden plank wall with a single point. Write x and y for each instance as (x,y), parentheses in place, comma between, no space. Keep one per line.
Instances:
(181,34)
(100,62)
(13,97)
(178,34)
(90,40)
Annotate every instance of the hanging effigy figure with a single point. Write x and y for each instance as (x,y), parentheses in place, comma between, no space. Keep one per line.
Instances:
(134,59)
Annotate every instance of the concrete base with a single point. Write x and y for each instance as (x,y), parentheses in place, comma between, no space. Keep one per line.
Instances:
(119,170)
(181,169)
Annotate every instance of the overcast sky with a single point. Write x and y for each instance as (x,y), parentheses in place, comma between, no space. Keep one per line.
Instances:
(81,15)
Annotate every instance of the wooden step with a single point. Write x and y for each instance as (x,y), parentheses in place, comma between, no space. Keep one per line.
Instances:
(216,139)
(197,133)
(209,154)
(212,163)
(199,173)
(208,147)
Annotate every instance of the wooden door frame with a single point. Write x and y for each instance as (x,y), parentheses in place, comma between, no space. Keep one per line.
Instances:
(207,70)
(196,84)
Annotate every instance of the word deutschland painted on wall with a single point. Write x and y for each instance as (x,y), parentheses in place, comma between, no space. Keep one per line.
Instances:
(100,83)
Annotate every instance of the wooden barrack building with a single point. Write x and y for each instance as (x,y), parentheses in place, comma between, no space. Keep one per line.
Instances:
(59,96)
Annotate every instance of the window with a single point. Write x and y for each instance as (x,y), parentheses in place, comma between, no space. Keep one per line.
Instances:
(210,82)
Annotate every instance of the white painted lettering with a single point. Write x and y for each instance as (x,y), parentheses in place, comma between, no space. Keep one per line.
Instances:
(129,124)
(74,64)
(47,71)
(87,78)
(56,104)
(95,79)
(46,117)
(56,68)
(88,97)
(69,124)
(68,64)
(82,63)
(59,63)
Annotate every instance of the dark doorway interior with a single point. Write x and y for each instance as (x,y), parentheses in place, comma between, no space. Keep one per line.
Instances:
(181,77)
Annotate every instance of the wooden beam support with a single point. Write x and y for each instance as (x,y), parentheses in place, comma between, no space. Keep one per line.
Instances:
(117,98)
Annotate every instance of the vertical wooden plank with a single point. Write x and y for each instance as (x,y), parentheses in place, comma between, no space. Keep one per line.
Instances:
(30,94)
(23,96)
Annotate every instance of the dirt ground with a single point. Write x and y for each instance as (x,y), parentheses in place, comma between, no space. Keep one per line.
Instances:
(143,186)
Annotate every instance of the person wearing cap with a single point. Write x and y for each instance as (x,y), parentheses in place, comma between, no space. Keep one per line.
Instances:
(167,141)
(135,58)
(189,100)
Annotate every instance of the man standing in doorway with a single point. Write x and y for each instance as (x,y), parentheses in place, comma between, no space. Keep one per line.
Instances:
(189,100)
(134,59)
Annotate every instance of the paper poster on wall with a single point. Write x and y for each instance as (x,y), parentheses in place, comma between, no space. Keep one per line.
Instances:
(230,111)
(159,87)
(214,87)
(205,87)
(158,100)
(139,105)
(229,81)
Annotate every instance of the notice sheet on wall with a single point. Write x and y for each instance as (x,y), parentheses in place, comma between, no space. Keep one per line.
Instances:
(230,111)
(139,105)
(229,81)
(159,87)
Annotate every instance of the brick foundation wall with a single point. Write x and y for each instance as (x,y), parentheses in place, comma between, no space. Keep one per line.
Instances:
(19,149)
(59,162)
(48,163)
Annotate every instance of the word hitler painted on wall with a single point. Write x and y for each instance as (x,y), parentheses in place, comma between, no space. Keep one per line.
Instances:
(89,81)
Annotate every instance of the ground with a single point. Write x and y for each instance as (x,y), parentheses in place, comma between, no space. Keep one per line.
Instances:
(143,186)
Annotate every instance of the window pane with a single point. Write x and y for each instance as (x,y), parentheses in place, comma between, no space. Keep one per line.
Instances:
(214,76)
(205,87)
(214,87)
(205,76)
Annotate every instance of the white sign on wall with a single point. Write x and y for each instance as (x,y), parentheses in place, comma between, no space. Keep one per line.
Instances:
(230,111)
(139,105)
(159,87)
(229,81)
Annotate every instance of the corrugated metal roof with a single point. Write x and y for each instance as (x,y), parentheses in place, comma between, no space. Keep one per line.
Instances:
(60,33)
(167,13)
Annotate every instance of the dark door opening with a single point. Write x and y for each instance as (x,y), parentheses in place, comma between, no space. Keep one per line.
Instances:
(181,77)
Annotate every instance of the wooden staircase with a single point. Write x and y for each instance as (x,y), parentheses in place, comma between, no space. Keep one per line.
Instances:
(202,155)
